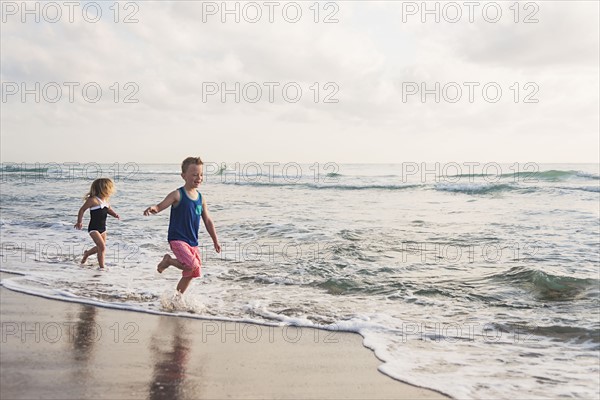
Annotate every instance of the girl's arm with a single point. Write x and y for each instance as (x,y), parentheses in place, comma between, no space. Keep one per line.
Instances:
(171,199)
(112,212)
(210,226)
(89,202)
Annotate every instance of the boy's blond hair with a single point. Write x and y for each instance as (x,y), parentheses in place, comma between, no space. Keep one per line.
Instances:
(101,187)
(190,161)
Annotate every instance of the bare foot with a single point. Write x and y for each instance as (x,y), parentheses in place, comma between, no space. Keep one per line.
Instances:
(178,301)
(164,264)
(85,257)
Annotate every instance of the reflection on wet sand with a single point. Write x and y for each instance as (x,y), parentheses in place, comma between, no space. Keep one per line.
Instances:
(85,334)
(170,347)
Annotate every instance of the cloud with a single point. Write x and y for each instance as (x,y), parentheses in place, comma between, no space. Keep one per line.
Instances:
(364,61)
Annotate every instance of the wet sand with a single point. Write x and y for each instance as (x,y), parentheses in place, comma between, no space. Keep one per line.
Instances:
(58,350)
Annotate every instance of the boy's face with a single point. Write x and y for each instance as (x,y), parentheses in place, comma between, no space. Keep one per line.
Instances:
(193,176)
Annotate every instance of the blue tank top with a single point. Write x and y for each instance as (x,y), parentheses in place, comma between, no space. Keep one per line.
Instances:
(185,219)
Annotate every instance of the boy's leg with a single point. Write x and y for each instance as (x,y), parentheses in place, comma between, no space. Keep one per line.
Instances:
(182,253)
(168,261)
(100,240)
(183,284)
(188,260)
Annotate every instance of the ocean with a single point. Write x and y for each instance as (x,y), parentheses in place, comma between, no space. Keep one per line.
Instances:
(479,280)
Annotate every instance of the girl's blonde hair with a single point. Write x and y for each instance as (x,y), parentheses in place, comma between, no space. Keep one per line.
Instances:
(102,187)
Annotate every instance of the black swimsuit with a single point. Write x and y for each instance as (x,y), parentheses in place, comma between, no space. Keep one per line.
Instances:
(98,217)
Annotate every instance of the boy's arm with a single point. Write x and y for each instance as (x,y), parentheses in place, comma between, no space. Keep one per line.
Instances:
(210,226)
(171,199)
(87,204)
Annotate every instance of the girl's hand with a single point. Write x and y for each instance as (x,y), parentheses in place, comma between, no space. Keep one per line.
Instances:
(78,225)
(150,210)
(217,247)
(117,217)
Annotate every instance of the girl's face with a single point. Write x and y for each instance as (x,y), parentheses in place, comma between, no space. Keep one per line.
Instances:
(193,176)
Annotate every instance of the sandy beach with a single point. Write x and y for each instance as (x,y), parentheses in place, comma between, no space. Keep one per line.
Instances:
(59,350)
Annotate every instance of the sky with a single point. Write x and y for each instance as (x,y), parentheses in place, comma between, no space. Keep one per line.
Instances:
(305,81)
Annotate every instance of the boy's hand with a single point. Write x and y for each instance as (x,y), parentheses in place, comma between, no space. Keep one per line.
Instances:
(117,217)
(78,225)
(217,247)
(150,210)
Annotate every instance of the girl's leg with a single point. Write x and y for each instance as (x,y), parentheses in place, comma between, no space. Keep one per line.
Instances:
(100,240)
(88,253)
(104,234)
(168,261)
(183,284)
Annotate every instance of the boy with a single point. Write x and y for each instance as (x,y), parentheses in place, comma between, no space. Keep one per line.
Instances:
(187,206)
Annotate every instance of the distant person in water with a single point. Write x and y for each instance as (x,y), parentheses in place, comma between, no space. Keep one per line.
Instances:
(187,207)
(97,201)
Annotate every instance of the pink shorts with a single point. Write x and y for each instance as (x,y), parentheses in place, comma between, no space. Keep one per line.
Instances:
(189,256)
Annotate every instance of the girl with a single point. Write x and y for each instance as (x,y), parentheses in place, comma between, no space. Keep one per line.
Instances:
(97,201)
